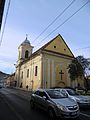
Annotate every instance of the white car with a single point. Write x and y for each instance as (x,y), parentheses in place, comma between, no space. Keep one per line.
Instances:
(80,99)
(55,103)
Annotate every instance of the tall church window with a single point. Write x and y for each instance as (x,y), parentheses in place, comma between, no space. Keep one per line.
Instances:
(19,55)
(26,54)
(27,73)
(36,67)
(22,75)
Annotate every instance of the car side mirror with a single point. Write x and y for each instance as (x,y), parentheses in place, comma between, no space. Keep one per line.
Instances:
(66,94)
(44,97)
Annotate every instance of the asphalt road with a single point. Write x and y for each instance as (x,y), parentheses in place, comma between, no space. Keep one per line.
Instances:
(5,111)
(14,105)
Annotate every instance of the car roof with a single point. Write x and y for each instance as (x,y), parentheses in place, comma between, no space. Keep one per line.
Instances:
(43,89)
(65,88)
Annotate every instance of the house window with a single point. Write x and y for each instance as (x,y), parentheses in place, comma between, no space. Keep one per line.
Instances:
(27,73)
(36,67)
(22,75)
(26,54)
(64,49)
(54,46)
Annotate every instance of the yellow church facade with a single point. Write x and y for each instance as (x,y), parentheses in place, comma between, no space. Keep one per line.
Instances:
(45,68)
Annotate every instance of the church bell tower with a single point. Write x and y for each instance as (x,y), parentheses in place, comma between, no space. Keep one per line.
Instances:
(24,51)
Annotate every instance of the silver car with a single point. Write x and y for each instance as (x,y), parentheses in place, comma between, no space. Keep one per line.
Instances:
(55,103)
(82,100)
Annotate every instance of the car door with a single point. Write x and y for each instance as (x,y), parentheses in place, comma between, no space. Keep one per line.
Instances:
(38,98)
(43,101)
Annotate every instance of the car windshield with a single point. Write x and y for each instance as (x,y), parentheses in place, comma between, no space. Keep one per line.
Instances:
(72,92)
(55,94)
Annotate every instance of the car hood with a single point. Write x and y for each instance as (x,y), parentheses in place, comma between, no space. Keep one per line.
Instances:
(65,101)
(82,97)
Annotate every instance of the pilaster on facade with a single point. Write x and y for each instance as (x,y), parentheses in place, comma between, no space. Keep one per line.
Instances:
(53,74)
(44,74)
(48,73)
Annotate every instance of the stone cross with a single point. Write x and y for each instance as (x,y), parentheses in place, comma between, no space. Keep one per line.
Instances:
(61,73)
(26,36)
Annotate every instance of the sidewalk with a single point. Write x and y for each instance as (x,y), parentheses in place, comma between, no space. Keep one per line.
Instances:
(25,94)
(22,89)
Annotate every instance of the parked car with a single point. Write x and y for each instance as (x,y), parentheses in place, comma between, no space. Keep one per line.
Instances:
(55,103)
(0,86)
(82,100)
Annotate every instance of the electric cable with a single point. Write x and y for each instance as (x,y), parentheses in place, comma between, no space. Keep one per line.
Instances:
(87,47)
(53,21)
(5,21)
(64,22)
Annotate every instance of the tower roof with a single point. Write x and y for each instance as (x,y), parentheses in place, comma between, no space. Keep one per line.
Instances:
(26,41)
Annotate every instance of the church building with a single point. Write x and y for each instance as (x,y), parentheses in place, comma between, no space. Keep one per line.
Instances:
(45,68)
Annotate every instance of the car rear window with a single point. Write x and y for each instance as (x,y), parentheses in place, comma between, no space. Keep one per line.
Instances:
(72,92)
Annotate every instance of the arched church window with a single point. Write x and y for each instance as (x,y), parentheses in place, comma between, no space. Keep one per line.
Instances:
(26,54)
(19,55)
(36,67)
(22,75)
(27,73)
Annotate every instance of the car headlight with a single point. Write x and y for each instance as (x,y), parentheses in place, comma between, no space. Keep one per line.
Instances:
(63,108)
(80,100)
(77,99)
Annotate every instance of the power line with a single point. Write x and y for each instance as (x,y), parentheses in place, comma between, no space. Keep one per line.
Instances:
(5,22)
(82,48)
(64,21)
(54,20)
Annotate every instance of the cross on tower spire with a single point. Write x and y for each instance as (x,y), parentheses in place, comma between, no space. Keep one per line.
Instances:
(26,36)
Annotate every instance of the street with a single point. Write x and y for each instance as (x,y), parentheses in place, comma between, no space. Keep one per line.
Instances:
(14,105)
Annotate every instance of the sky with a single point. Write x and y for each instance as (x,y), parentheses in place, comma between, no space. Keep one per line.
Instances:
(31,17)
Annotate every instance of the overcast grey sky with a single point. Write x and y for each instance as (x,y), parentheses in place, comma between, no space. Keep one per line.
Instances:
(33,16)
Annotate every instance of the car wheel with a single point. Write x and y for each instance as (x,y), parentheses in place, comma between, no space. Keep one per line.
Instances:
(78,118)
(51,113)
(32,105)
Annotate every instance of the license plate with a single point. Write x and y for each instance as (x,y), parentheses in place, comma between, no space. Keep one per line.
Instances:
(74,113)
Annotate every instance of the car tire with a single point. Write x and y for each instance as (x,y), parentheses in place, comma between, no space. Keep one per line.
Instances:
(78,118)
(51,113)
(32,105)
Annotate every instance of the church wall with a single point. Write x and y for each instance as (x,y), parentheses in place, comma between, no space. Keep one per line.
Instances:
(33,81)
(17,76)
(52,66)
(37,78)
(68,76)
(48,72)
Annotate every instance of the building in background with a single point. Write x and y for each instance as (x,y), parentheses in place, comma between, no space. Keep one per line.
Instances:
(45,68)
(87,82)
(2,4)
(3,78)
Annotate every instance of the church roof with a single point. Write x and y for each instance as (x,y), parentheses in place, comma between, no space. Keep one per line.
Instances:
(43,47)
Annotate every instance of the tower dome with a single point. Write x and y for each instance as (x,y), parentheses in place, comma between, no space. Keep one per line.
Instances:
(26,41)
